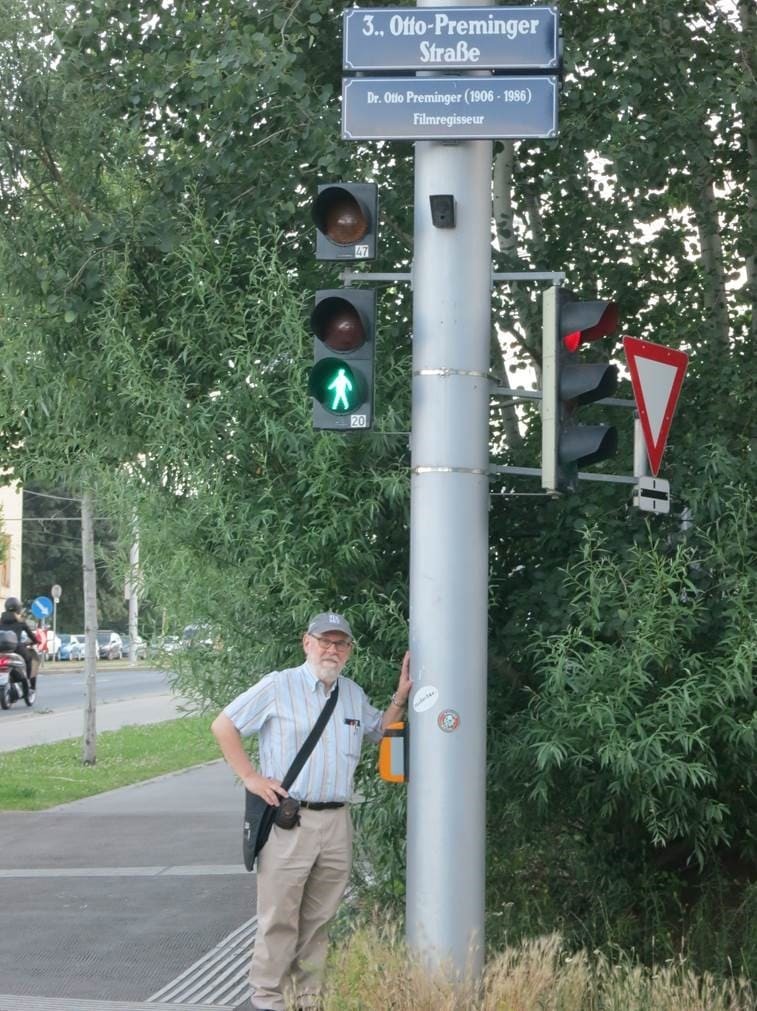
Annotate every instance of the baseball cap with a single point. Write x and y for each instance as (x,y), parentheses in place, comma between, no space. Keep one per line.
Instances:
(329,622)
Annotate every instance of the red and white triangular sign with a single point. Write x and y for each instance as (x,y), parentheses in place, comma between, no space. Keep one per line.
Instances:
(656,376)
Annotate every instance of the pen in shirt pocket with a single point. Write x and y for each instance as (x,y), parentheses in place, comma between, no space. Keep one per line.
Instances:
(355,724)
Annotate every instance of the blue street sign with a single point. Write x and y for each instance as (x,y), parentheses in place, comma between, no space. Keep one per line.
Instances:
(463,38)
(448,108)
(42,607)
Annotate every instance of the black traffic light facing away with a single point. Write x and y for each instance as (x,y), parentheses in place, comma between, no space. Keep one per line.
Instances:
(346,219)
(566,385)
(341,380)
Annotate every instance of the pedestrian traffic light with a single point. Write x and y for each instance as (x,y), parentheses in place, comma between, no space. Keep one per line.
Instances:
(568,323)
(346,218)
(341,380)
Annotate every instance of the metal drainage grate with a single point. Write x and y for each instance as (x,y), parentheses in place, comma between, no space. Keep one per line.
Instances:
(218,978)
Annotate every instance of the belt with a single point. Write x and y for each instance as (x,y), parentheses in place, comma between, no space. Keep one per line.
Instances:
(328,805)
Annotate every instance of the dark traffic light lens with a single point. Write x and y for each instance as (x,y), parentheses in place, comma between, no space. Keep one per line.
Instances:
(338,325)
(607,323)
(345,223)
(340,216)
(581,322)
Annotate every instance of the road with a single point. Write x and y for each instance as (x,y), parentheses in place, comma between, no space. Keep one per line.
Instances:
(124,697)
(57,691)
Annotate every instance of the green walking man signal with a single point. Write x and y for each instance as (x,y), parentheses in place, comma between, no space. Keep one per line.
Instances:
(341,386)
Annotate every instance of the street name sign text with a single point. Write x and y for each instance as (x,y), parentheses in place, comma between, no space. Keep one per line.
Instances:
(462,38)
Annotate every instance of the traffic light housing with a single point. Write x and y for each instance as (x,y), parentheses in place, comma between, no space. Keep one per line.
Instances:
(344,345)
(568,323)
(346,220)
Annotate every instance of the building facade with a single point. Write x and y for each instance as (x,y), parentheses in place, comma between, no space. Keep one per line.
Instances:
(11,540)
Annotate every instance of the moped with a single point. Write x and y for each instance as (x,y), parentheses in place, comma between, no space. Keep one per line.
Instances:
(14,684)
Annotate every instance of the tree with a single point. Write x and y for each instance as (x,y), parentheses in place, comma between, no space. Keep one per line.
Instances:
(155,175)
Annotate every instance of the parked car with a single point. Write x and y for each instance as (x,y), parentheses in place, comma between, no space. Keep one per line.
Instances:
(108,645)
(167,644)
(52,645)
(72,647)
(197,635)
(140,647)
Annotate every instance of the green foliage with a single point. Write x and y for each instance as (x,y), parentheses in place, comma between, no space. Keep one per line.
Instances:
(156,263)
(650,687)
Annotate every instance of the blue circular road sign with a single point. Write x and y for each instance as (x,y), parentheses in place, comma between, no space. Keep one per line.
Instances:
(42,607)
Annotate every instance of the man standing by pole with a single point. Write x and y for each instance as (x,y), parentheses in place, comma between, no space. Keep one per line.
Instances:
(303,869)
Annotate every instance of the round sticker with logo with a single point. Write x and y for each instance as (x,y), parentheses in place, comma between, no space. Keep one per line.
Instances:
(448,720)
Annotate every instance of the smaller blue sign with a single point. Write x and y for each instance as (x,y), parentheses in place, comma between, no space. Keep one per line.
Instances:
(42,607)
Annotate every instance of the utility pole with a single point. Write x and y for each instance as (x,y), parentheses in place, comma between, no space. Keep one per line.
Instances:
(89,747)
(449,549)
(133,595)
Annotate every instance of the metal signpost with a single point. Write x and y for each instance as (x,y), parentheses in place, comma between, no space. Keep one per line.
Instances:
(56,593)
(449,556)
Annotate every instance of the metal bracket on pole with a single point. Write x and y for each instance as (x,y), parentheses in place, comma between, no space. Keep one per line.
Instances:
(521,394)
(556,277)
(348,276)
(582,474)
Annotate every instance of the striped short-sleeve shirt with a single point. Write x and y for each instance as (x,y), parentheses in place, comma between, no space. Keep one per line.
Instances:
(282,709)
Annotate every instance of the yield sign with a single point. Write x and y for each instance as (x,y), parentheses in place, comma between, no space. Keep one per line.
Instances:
(656,375)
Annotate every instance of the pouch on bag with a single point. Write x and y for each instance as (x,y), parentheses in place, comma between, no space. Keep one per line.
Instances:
(287,813)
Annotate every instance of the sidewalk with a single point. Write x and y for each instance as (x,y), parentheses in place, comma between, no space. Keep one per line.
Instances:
(35,727)
(133,900)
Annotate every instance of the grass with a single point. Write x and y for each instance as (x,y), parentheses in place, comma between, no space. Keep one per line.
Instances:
(373,972)
(32,779)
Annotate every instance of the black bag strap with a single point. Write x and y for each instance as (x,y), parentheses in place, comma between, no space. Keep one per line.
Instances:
(312,739)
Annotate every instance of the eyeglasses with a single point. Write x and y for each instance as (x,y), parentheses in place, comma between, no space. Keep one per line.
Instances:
(340,645)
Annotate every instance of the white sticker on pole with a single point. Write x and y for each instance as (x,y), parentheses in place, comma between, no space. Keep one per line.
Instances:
(425,698)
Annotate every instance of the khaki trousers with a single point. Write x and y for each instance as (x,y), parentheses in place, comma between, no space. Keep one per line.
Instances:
(302,874)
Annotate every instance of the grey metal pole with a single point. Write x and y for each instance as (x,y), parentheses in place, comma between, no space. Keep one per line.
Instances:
(640,461)
(133,596)
(89,578)
(449,555)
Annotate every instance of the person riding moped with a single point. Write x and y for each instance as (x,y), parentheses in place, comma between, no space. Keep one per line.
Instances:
(11,620)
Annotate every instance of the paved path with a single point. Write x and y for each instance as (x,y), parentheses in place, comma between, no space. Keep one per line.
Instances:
(34,726)
(133,900)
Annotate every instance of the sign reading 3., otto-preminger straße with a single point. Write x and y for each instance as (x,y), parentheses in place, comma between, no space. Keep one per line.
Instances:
(448,108)
(453,38)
